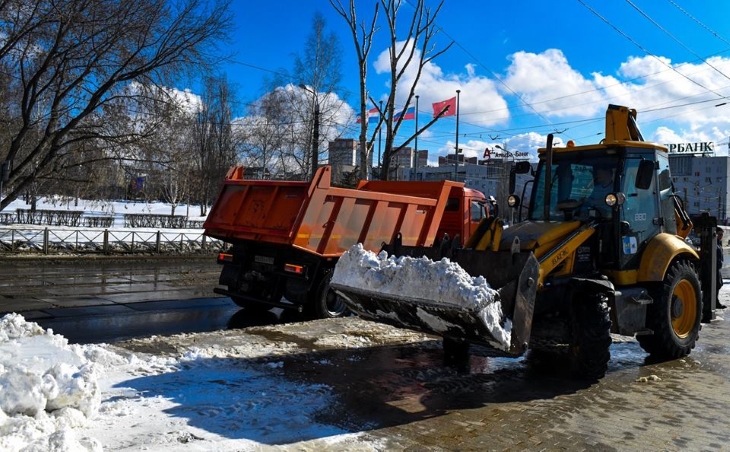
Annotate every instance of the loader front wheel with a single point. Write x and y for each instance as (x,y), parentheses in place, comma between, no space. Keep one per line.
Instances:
(591,339)
(326,304)
(675,315)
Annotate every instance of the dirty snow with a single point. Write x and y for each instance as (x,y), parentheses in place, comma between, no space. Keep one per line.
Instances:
(61,397)
(406,277)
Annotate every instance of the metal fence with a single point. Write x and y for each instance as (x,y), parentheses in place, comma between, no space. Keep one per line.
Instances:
(107,241)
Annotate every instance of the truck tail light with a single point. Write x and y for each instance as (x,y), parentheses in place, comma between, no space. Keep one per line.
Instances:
(224,258)
(296,269)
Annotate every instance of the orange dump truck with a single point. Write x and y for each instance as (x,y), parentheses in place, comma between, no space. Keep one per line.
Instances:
(286,236)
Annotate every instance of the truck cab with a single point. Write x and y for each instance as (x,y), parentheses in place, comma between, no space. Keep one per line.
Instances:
(464,210)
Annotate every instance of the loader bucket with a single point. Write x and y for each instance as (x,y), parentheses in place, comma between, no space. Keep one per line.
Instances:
(513,275)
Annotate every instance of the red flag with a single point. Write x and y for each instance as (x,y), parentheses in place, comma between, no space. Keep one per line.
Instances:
(449,105)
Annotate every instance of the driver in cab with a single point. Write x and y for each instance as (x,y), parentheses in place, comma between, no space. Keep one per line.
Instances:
(602,185)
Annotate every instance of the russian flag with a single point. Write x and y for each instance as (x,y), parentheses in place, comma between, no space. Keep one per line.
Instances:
(410,114)
(373,116)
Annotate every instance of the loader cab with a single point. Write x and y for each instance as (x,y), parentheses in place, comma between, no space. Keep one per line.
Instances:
(625,192)
(579,185)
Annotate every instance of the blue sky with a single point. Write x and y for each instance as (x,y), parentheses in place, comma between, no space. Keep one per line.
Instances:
(527,68)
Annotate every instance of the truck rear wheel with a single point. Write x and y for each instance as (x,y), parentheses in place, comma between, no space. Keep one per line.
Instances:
(675,314)
(591,339)
(326,304)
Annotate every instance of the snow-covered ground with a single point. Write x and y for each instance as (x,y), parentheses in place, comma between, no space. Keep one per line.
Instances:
(118,237)
(61,397)
(117,209)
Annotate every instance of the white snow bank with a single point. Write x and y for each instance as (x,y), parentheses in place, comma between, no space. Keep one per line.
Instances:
(46,389)
(62,397)
(443,282)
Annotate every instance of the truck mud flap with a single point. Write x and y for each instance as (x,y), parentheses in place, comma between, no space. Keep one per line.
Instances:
(514,276)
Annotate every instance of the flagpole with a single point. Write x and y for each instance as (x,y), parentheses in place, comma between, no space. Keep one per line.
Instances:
(380,137)
(456,151)
(415,160)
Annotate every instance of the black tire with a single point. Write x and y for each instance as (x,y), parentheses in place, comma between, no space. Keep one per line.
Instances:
(324,302)
(456,354)
(675,314)
(589,351)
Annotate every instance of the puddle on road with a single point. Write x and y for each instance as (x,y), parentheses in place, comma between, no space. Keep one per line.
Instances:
(384,386)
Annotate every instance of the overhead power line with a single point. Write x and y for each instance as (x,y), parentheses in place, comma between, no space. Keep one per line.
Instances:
(712,32)
(640,11)
(645,50)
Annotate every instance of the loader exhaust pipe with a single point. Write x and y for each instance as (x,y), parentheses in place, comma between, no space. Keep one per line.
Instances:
(548,176)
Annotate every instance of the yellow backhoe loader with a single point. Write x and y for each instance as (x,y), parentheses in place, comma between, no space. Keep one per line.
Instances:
(595,254)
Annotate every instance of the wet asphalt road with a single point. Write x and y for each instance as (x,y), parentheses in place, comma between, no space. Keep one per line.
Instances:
(100,299)
(398,392)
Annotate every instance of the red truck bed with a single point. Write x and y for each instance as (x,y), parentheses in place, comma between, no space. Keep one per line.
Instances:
(326,220)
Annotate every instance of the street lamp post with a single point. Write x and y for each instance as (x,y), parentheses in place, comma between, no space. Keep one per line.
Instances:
(315,130)
(456,146)
(380,138)
(415,160)
(503,191)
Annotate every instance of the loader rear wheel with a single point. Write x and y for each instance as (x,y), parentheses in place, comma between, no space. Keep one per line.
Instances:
(591,339)
(326,304)
(675,314)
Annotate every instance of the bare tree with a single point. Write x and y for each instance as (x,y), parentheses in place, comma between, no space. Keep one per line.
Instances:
(165,158)
(319,70)
(312,93)
(213,144)
(416,52)
(271,137)
(362,37)
(71,58)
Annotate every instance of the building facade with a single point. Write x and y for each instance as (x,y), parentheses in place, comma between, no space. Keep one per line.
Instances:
(701,180)
(344,157)
(700,177)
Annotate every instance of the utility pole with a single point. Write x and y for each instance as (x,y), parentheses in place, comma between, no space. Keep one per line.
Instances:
(456,148)
(315,131)
(380,138)
(415,160)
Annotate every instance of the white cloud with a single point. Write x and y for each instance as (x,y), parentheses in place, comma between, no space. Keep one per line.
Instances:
(480,102)
(551,86)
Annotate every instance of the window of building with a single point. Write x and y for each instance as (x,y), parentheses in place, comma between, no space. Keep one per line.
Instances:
(681,166)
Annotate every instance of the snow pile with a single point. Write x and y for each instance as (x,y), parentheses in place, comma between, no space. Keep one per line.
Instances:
(443,282)
(62,397)
(46,389)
